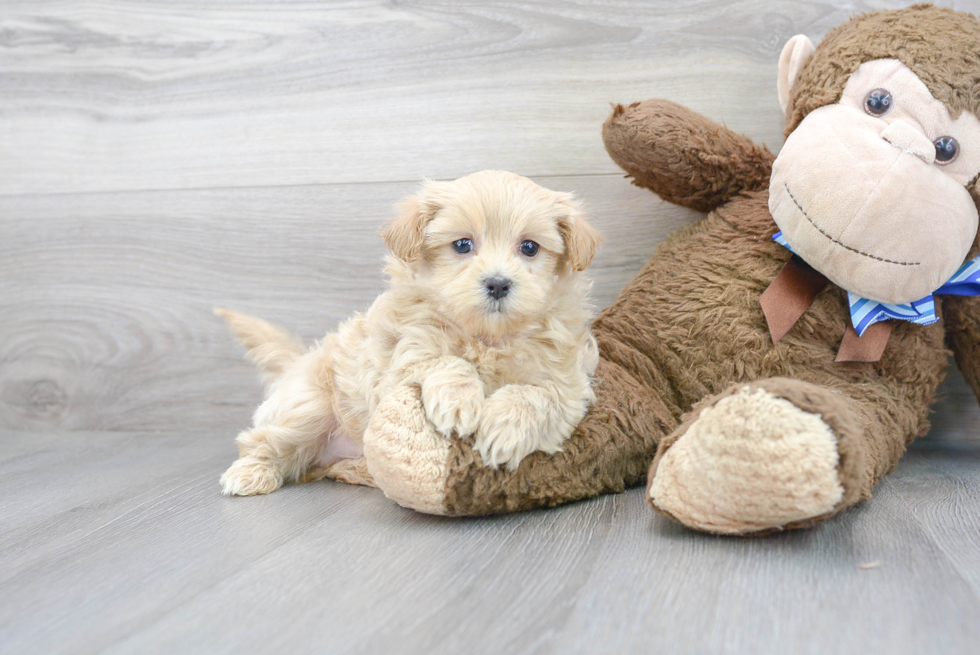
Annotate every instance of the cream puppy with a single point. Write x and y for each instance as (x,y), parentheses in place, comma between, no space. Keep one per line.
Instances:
(486,310)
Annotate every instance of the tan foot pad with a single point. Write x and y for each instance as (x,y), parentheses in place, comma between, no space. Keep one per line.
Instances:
(406,457)
(749,463)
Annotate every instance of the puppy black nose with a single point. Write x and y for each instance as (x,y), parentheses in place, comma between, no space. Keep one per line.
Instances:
(497,286)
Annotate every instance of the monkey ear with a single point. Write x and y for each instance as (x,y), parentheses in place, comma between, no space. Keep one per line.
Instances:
(405,235)
(795,53)
(581,239)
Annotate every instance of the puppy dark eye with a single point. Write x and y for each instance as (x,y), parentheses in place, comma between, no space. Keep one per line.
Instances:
(946,149)
(878,102)
(529,248)
(463,246)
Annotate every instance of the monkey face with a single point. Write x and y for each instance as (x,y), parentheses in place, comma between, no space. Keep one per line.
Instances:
(871,191)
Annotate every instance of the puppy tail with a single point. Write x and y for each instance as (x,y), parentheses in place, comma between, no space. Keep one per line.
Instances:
(271,347)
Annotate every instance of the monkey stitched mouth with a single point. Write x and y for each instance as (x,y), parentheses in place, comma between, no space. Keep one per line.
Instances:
(838,243)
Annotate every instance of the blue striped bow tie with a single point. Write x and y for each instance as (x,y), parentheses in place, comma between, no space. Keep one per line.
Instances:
(865,312)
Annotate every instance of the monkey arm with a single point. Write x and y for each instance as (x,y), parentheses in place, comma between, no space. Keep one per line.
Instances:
(962,317)
(682,156)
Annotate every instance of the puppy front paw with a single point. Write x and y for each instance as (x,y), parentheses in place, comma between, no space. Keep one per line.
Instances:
(514,426)
(250,476)
(453,402)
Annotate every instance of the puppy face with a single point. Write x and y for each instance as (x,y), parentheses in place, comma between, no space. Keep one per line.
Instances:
(490,249)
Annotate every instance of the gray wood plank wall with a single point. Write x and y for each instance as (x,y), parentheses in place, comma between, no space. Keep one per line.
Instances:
(158,158)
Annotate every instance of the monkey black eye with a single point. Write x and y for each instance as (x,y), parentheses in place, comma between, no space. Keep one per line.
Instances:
(946,149)
(463,246)
(529,248)
(878,102)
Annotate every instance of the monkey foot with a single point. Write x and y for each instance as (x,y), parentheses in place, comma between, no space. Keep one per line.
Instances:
(407,459)
(750,462)
(419,468)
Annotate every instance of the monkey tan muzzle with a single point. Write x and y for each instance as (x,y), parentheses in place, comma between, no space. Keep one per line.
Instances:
(862,201)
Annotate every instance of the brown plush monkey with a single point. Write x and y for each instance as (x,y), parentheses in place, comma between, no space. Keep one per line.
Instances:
(738,360)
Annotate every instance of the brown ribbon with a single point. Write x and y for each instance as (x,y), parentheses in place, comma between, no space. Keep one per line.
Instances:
(865,348)
(793,291)
(789,295)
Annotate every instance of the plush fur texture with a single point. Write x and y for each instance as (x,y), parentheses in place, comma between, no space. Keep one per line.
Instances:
(659,362)
(687,360)
(888,401)
(962,317)
(512,370)
(938,44)
(688,334)
(610,451)
(880,233)
(704,164)
(769,500)
(711,479)
(716,270)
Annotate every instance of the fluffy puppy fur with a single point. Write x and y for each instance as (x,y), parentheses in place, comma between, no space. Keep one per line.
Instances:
(495,331)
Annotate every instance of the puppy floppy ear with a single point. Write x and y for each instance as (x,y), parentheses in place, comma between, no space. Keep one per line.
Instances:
(405,235)
(581,239)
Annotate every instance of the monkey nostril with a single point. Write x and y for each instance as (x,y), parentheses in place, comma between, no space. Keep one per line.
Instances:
(908,139)
(497,286)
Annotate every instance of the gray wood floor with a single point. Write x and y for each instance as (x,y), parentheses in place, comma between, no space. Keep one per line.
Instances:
(159,158)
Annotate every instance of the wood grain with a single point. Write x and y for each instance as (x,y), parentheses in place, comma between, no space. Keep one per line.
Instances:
(940,485)
(149,95)
(160,158)
(107,298)
(121,544)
